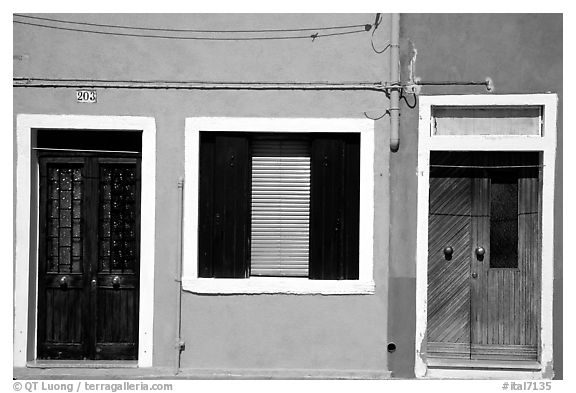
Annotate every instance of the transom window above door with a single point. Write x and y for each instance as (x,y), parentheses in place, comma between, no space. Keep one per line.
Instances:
(279,209)
(487,120)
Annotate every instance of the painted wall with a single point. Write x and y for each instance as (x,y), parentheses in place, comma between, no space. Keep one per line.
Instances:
(232,332)
(522,54)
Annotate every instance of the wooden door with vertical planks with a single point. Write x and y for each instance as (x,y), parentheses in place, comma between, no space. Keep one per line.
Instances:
(88,257)
(505,300)
(484,256)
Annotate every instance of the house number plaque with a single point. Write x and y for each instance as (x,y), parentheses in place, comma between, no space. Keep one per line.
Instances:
(86,96)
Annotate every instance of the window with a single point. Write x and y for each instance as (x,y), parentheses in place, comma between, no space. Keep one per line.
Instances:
(278,206)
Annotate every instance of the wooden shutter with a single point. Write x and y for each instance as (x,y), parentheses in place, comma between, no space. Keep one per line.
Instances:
(280,206)
(334,206)
(224,208)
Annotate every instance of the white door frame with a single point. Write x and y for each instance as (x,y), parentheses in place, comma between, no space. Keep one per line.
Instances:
(26,124)
(545,143)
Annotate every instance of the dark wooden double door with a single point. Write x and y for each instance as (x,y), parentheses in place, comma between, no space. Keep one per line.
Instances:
(88,257)
(484,256)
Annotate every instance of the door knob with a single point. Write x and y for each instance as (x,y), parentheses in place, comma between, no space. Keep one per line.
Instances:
(474,275)
(64,282)
(116,282)
(480,251)
(448,251)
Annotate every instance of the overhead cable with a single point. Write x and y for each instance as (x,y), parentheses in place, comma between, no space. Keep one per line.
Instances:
(364,25)
(485,166)
(176,37)
(86,151)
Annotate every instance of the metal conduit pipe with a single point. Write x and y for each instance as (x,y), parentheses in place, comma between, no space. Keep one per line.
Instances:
(178,343)
(22,82)
(395,81)
(197,85)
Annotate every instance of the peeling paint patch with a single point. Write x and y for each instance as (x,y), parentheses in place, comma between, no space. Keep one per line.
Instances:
(420,368)
(412,63)
(548,371)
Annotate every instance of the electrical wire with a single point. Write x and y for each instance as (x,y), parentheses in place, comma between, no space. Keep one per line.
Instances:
(386,112)
(411,106)
(86,151)
(376,24)
(365,26)
(485,166)
(313,36)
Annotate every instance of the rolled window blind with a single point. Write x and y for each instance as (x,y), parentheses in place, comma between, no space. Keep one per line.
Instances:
(280,213)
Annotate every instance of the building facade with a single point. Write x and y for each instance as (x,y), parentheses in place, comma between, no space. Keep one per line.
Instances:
(378,196)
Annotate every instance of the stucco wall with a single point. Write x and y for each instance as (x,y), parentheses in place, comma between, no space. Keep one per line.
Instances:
(522,54)
(230,332)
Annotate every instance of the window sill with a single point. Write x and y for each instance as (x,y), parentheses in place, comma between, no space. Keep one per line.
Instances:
(273,285)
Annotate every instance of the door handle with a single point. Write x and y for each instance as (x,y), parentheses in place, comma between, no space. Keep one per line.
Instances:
(448,251)
(474,275)
(116,282)
(63,282)
(480,251)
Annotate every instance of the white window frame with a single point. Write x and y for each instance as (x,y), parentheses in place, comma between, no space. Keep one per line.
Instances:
(269,285)
(26,124)
(544,143)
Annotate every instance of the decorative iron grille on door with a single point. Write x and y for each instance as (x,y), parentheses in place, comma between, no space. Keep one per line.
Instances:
(88,256)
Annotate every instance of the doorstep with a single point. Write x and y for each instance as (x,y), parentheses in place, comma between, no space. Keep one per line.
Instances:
(483,369)
(483,364)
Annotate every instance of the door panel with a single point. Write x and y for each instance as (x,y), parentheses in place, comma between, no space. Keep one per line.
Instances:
(448,286)
(529,224)
(63,296)
(505,302)
(83,312)
(117,278)
(500,286)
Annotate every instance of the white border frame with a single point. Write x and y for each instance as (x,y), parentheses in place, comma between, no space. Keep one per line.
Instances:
(268,285)
(545,143)
(25,124)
